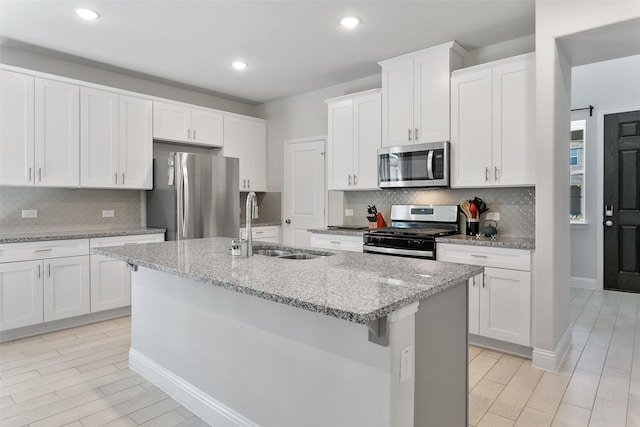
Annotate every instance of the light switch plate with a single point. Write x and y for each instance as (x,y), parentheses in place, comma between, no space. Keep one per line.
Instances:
(348,212)
(108,214)
(493,216)
(29,213)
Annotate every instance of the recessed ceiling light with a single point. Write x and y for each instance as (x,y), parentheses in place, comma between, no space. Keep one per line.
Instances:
(349,22)
(239,65)
(87,14)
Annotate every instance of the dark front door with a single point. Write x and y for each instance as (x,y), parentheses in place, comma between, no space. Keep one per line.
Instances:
(622,201)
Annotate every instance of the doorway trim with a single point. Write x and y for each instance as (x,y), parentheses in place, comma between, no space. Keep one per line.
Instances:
(600,188)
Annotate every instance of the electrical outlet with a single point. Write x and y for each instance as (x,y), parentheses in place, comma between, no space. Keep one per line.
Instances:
(494,216)
(348,212)
(406,360)
(29,213)
(108,214)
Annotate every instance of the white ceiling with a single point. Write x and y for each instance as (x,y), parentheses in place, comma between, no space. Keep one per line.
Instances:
(291,46)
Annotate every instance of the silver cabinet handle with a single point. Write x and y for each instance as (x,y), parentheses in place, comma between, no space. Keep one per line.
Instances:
(38,271)
(409,135)
(29,174)
(194,134)
(244,183)
(116,175)
(335,242)
(249,184)
(40,174)
(486,174)
(259,232)
(484,280)
(355,180)
(349,179)
(188,133)
(122,178)
(416,134)
(478,256)
(43,250)
(49,268)
(495,173)
(474,281)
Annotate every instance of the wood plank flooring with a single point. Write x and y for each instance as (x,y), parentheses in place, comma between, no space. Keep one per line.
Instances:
(80,377)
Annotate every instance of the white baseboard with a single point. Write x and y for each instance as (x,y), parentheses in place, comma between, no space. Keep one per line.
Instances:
(192,398)
(551,360)
(583,282)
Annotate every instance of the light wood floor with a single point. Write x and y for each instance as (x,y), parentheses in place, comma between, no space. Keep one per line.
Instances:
(79,377)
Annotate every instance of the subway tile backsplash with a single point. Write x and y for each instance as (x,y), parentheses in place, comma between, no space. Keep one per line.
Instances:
(516,205)
(68,209)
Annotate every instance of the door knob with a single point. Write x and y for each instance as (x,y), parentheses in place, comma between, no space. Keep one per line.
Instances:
(608,223)
(288,221)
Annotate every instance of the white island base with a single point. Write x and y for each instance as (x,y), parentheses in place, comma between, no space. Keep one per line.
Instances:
(239,360)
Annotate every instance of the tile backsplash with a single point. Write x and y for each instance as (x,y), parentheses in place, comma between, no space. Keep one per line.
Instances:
(68,209)
(269,207)
(516,205)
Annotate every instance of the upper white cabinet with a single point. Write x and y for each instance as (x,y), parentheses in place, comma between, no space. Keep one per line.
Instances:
(416,93)
(353,142)
(493,124)
(39,125)
(182,123)
(246,139)
(116,140)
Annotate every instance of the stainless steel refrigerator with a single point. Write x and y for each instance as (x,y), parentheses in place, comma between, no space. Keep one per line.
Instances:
(194,196)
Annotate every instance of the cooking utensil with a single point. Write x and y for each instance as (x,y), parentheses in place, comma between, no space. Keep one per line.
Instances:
(473,209)
(464,206)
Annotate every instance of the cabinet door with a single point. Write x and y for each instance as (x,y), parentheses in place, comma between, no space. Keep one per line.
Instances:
(368,134)
(514,121)
(234,145)
(471,164)
(20,294)
(16,128)
(340,145)
(474,304)
(171,122)
(256,155)
(397,103)
(66,287)
(431,100)
(135,152)
(98,138)
(505,305)
(206,127)
(57,134)
(110,283)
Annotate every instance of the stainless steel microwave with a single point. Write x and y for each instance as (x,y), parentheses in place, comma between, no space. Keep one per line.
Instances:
(418,165)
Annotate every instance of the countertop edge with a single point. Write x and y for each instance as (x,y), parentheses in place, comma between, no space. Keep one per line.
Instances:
(45,236)
(500,242)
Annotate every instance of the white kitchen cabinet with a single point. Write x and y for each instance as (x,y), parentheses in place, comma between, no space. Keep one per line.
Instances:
(39,139)
(183,123)
(353,141)
(416,93)
(66,287)
(336,242)
(21,295)
(493,124)
(111,278)
(115,140)
(499,299)
(266,234)
(245,139)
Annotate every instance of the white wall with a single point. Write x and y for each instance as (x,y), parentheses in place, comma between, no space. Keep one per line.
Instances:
(553,90)
(605,85)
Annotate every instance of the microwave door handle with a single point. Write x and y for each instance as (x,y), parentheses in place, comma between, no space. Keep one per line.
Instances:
(430,165)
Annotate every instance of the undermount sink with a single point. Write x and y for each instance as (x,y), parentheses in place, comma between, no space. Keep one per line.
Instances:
(300,256)
(271,252)
(290,254)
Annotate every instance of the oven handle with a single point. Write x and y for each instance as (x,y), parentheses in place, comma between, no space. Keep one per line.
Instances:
(397,251)
(430,164)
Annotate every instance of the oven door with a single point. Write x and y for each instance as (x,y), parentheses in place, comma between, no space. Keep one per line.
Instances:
(399,245)
(419,165)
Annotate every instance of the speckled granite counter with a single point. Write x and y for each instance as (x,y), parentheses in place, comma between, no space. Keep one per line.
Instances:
(337,231)
(351,286)
(261,224)
(38,236)
(499,242)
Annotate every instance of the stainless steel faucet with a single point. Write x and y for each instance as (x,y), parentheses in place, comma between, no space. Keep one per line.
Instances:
(250,208)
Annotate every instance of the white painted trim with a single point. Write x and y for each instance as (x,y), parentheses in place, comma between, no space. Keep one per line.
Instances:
(404,312)
(551,360)
(600,188)
(192,398)
(584,282)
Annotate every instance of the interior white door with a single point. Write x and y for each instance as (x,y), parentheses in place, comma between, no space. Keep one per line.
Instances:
(304,190)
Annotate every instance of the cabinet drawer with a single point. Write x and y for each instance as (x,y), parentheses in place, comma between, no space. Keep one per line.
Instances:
(41,250)
(125,240)
(337,242)
(513,259)
(262,233)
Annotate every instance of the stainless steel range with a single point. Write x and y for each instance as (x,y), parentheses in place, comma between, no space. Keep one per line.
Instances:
(413,231)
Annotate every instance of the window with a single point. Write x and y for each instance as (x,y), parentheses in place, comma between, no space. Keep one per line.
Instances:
(576,165)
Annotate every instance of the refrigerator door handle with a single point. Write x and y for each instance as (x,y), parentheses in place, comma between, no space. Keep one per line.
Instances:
(185,200)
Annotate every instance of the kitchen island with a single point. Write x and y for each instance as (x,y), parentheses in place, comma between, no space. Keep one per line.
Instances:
(342,340)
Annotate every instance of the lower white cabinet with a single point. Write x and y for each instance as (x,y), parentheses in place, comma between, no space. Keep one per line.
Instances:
(267,233)
(66,293)
(111,278)
(499,299)
(337,241)
(20,294)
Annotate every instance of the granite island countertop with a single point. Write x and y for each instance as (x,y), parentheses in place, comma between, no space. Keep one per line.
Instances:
(357,287)
(498,242)
(339,231)
(39,236)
